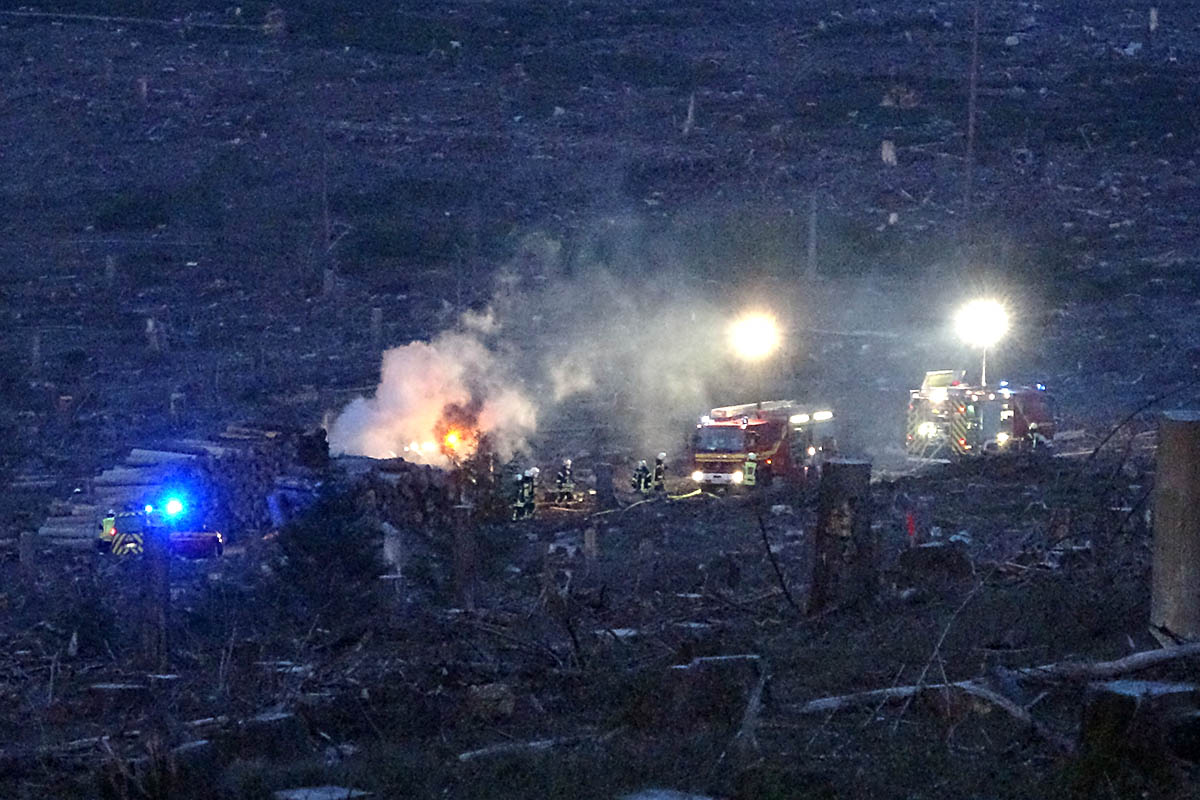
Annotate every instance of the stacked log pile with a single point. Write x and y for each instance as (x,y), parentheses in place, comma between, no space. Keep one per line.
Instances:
(408,496)
(228,477)
(232,478)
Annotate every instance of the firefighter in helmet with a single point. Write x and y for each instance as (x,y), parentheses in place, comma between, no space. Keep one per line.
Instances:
(641,478)
(1037,440)
(658,483)
(529,491)
(564,483)
(750,470)
(518,496)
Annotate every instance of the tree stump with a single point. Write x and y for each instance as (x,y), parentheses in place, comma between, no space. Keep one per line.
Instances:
(1175,586)
(605,495)
(464,558)
(845,567)
(713,692)
(1130,729)
(156,597)
(27,552)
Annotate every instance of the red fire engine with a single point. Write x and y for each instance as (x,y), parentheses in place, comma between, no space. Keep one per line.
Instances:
(950,419)
(788,439)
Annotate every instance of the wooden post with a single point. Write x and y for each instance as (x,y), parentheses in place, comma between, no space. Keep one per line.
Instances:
(845,567)
(1175,584)
(464,558)
(156,596)
(605,495)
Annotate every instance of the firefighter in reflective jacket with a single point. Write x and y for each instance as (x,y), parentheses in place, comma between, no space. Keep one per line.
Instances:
(750,470)
(104,541)
(659,482)
(529,490)
(564,483)
(1036,439)
(518,495)
(641,478)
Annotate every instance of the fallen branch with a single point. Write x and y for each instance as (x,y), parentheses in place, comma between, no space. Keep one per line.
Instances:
(1066,671)
(1135,662)
(1019,712)
(536,746)
(746,735)
(775,565)
(118,20)
(877,697)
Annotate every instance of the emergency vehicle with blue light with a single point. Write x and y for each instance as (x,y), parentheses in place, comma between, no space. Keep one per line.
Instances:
(123,533)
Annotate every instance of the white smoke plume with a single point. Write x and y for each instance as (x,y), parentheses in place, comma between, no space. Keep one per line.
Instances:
(625,345)
(420,382)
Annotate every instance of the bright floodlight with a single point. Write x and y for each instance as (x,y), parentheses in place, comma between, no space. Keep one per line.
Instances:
(754,336)
(981,323)
(174,507)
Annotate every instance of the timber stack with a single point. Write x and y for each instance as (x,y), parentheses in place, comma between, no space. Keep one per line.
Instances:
(252,479)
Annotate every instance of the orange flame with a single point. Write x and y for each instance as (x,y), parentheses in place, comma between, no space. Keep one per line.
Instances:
(452,440)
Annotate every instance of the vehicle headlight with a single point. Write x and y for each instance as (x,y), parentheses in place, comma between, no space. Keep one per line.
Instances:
(927,430)
(697,476)
(1002,438)
(812,451)
(737,477)
(938,395)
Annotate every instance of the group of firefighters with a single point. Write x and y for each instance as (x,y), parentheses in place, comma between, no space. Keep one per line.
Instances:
(525,489)
(646,481)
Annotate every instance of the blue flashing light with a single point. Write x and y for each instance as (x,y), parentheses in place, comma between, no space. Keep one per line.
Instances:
(1041,387)
(1004,383)
(174,507)
(149,508)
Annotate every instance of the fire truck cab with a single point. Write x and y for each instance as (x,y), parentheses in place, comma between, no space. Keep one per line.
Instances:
(789,441)
(948,419)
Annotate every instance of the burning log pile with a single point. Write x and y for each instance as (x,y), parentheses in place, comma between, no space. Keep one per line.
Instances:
(406,495)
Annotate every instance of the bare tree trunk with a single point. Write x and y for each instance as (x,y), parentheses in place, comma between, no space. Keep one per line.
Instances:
(376,328)
(812,236)
(35,354)
(972,97)
(110,272)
